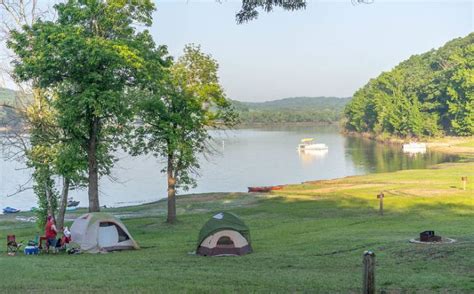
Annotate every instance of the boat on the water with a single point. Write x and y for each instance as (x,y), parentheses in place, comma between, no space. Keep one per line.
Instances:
(265,189)
(72,203)
(308,144)
(9,209)
(414,147)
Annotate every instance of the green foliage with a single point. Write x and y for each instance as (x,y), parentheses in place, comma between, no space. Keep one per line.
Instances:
(249,10)
(177,111)
(298,109)
(41,156)
(90,58)
(426,95)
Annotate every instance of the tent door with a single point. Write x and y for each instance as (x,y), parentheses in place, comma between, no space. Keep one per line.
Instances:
(108,236)
(225,242)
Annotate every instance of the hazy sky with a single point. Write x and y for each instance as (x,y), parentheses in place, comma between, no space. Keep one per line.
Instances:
(330,49)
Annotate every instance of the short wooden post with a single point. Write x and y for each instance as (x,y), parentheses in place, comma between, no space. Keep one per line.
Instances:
(464,182)
(380,197)
(368,278)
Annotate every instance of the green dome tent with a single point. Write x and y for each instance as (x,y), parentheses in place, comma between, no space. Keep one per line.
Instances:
(224,234)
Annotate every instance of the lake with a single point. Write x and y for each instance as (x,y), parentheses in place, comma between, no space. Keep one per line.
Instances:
(241,158)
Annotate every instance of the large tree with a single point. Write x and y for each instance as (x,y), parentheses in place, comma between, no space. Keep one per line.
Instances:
(177,113)
(90,57)
(30,113)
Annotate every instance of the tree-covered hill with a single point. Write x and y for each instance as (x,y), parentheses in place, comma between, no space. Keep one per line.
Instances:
(7,96)
(427,95)
(7,114)
(297,109)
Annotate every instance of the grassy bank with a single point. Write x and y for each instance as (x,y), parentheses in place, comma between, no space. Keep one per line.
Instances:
(307,238)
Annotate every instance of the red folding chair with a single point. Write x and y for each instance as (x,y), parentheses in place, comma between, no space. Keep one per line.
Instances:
(12,245)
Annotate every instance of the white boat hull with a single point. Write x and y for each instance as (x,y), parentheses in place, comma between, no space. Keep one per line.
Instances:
(313,147)
(414,148)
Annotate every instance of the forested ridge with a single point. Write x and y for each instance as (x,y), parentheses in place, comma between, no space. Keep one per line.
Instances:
(8,115)
(430,94)
(295,109)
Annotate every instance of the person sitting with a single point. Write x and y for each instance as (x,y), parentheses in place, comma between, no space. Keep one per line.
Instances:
(66,238)
(50,233)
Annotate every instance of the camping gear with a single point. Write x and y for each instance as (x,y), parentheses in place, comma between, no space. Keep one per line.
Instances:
(101,232)
(9,209)
(73,248)
(31,243)
(31,250)
(224,234)
(42,240)
(265,188)
(12,245)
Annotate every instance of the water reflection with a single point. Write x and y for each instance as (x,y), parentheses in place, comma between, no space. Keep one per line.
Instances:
(248,157)
(308,157)
(375,157)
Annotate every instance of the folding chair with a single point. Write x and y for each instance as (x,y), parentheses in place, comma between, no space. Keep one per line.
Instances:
(12,245)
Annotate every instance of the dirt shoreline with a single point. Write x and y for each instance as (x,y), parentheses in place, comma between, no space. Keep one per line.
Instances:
(450,145)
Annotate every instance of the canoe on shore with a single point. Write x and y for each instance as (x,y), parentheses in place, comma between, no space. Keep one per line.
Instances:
(265,189)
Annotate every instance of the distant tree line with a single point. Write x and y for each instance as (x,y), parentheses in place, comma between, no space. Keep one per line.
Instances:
(292,110)
(430,94)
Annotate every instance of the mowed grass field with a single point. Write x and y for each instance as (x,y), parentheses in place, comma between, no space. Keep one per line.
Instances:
(306,238)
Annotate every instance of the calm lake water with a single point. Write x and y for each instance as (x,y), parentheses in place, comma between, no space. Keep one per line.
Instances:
(245,157)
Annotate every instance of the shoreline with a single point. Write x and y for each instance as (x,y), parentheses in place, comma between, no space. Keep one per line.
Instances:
(447,145)
(461,146)
(286,124)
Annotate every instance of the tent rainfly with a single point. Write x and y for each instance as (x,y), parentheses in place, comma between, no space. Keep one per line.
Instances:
(224,234)
(101,232)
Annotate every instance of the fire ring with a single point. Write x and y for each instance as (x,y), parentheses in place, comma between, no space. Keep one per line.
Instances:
(443,241)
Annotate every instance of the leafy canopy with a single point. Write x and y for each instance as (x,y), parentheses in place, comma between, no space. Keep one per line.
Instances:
(177,112)
(427,95)
(89,57)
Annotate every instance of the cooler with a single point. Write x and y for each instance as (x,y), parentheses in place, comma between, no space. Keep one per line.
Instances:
(30,250)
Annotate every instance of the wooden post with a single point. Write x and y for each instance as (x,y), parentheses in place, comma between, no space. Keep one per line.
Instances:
(380,197)
(464,181)
(368,278)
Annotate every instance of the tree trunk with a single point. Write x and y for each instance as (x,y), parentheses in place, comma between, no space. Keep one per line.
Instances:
(49,200)
(93,166)
(171,192)
(63,204)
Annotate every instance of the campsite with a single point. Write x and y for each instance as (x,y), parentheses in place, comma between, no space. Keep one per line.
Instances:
(306,238)
(248,146)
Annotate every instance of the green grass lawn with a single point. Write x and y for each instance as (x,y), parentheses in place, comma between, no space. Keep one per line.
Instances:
(306,238)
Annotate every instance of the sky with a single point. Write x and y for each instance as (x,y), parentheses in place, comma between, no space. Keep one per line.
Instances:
(332,48)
